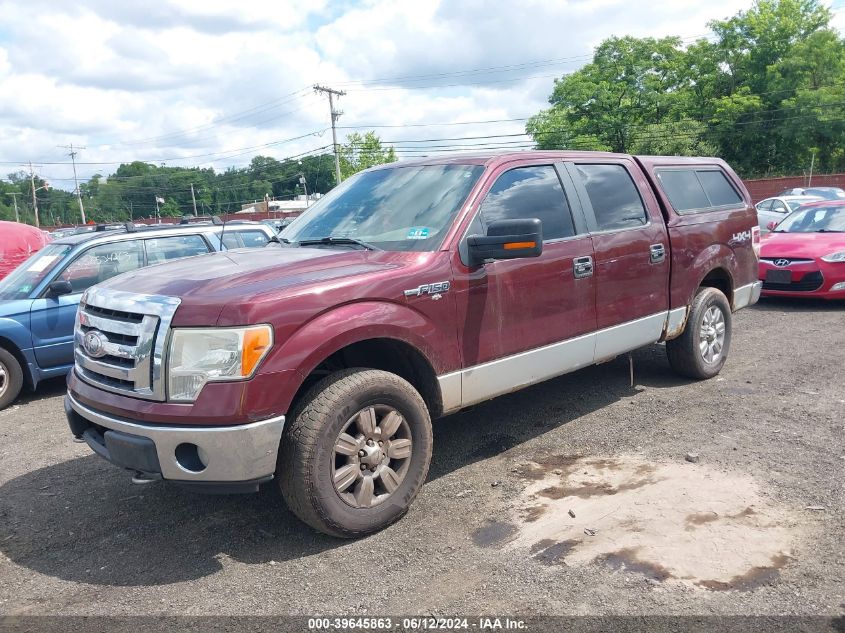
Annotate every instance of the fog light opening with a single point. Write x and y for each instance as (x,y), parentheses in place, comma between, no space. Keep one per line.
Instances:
(191,457)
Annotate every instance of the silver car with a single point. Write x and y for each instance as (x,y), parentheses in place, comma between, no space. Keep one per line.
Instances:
(777,208)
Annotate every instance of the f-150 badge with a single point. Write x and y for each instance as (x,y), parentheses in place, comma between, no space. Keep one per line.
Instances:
(434,290)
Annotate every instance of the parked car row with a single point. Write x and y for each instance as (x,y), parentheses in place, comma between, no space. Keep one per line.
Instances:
(38,301)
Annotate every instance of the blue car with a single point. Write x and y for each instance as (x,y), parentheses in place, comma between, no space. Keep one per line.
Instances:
(38,301)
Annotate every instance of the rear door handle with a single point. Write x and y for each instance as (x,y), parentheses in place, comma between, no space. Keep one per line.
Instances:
(582,267)
(657,253)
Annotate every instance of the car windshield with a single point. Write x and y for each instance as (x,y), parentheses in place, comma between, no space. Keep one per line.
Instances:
(394,209)
(814,220)
(828,193)
(32,272)
(794,204)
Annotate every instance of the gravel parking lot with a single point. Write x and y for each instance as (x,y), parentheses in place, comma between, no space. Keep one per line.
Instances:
(571,497)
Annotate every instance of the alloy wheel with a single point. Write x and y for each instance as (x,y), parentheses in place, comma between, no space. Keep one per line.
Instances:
(372,454)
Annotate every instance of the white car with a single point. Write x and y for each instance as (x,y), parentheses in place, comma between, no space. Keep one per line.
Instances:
(777,208)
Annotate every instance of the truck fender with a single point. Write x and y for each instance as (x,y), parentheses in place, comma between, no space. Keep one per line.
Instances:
(331,331)
(713,258)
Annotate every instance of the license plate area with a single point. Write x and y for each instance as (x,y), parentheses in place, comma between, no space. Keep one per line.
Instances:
(779,276)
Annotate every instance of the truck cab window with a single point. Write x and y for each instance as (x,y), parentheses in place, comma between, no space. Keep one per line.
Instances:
(530,192)
(616,202)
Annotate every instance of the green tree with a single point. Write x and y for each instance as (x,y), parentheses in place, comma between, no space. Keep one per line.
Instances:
(363,151)
(630,83)
(766,95)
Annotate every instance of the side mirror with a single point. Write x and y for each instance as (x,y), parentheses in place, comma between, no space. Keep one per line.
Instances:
(59,288)
(771,225)
(507,239)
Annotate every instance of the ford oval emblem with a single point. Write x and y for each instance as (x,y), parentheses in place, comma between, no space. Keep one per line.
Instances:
(94,344)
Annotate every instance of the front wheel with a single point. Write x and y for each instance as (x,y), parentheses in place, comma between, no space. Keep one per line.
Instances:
(701,350)
(356,452)
(11,378)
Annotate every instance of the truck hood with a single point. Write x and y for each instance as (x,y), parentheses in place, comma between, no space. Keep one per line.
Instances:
(801,245)
(207,283)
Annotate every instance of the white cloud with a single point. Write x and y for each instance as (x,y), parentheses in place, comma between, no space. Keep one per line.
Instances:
(182,78)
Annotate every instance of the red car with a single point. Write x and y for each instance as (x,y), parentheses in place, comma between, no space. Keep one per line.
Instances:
(804,255)
(17,242)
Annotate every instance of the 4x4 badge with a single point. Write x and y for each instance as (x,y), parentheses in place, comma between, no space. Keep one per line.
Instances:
(434,289)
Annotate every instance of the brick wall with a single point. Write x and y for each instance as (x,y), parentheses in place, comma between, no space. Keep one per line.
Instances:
(768,187)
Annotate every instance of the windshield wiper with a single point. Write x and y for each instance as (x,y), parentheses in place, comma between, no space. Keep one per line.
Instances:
(330,239)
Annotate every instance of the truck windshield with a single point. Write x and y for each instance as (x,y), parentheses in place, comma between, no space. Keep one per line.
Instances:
(394,209)
(814,220)
(20,283)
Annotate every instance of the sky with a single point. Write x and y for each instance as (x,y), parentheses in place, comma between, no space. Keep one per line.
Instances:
(213,83)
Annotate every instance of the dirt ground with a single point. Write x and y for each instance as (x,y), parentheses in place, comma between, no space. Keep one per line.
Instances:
(571,497)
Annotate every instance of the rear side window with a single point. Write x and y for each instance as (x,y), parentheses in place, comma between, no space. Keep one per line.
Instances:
(530,192)
(692,190)
(233,238)
(614,197)
(253,238)
(164,249)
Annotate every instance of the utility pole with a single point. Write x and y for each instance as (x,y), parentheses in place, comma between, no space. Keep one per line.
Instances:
(15,195)
(194,198)
(34,199)
(72,155)
(335,115)
(812,164)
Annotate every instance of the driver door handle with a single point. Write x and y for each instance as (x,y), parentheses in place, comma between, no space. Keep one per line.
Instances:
(582,267)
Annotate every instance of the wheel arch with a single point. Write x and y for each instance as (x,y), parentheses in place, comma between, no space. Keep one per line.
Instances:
(375,335)
(10,346)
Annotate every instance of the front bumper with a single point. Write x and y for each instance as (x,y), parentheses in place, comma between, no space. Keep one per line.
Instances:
(811,279)
(203,455)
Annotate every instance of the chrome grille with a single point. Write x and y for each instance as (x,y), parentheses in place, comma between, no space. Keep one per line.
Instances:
(128,354)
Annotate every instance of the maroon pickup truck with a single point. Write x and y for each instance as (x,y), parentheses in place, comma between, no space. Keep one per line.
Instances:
(410,291)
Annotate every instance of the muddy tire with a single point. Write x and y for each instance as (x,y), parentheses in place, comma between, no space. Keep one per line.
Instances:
(355,452)
(701,350)
(11,378)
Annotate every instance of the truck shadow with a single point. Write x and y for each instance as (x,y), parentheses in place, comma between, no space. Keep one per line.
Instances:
(82,521)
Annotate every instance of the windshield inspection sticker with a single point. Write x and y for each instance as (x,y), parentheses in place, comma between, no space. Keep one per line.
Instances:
(40,264)
(418,233)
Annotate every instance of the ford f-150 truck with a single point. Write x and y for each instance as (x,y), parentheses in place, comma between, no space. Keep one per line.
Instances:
(410,291)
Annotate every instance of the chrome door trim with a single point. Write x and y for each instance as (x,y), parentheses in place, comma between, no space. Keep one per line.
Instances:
(472,385)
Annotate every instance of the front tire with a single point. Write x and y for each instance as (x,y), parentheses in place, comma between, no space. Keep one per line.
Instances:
(11,378)
(355,453)
(701,350)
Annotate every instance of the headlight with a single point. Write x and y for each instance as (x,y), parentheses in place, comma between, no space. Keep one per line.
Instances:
(833,258)
(202,355)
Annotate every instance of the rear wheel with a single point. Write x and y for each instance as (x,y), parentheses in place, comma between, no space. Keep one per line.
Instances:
(701,350)
(11,378)
(356,452)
